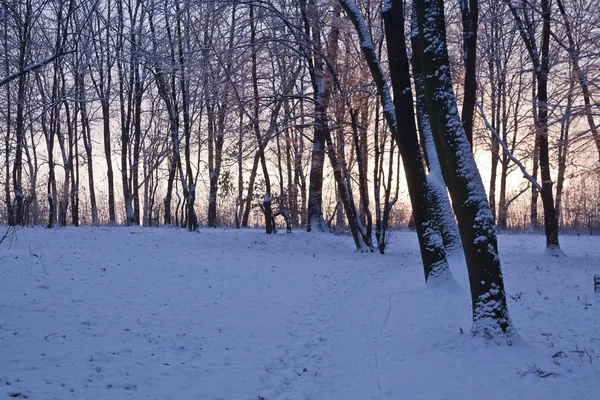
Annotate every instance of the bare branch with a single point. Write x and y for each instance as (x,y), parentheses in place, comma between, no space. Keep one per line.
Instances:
(526,174)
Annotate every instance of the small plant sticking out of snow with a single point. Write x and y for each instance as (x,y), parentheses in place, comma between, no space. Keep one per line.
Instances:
(537,371)
(583,355)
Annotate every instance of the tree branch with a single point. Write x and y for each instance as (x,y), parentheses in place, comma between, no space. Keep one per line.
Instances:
(506,150)
(33,67)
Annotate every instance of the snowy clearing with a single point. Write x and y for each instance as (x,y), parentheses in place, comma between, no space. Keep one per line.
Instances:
(143,313)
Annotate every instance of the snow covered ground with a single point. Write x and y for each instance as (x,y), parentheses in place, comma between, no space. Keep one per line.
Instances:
(141,313)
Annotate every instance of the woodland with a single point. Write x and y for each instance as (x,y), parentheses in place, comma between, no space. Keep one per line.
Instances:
(457,118)
(151,151)
(194,112)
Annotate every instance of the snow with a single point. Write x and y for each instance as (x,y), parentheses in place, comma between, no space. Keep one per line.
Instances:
(159,313)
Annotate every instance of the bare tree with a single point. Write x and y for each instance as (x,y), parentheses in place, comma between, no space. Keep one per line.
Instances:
(541,66)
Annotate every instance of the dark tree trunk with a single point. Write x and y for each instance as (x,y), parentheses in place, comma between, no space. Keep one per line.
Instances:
(20,123)
(470,17)
(292,188)
(192,220)
(239,202)
(9,205)
(87,143)
(360,143)
(475,221)
(137,138)
(433,253)
(494,100)
(108,155)
(550,221)
(169,194)
(255,123)
(314,217)
(74,156)
(250,195)
(437,186)
(103,63)
(563,150)
(125,103)
(322,92)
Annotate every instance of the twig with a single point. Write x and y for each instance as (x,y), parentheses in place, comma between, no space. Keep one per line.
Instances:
(535,370)
(9,232)
(32,254)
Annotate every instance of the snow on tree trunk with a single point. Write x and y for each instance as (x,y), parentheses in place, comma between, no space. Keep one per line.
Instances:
(445,215)
(475,221)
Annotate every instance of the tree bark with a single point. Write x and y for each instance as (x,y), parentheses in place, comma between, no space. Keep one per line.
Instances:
(475,221)
(470,16)
(433,254)
(439,194)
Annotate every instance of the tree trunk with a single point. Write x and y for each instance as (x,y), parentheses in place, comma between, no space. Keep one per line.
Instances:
(563,150)
(250,195)
(125,100)
(137,137)
(437,186)
(87,143)
(475,221)
(470,16)
(108,155)
(255,123)
(74,156)
(541,67)
(239,202)
(20,122)
(404,130)
(10,216)
(322,91)
(550,221)
(360,143)
(314,218)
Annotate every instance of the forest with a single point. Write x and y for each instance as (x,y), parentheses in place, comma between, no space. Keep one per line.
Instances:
(459,138)
(234,113)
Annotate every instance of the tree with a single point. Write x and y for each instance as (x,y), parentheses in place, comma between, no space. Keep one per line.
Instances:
(322,83)
(102,64)
(469,200)
(579,74)
(541,67)
(432,250)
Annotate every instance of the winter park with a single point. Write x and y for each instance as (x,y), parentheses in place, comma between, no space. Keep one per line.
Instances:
(300,199)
